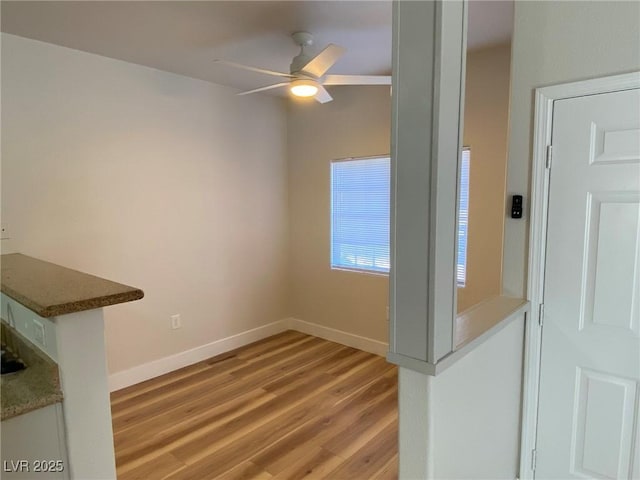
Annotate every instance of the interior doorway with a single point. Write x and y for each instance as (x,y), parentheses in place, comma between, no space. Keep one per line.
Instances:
(584,276)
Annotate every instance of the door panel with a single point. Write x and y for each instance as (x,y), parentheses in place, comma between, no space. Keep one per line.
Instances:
(590,364)
(604,416)
(610,262)
(614,146)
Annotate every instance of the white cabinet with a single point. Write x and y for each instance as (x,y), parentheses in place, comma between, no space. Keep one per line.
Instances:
(33,445)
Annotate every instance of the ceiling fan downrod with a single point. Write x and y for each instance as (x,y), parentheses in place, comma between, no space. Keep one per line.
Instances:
(303,39)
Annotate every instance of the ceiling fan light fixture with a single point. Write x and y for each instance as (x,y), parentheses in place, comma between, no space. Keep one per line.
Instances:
(304,88)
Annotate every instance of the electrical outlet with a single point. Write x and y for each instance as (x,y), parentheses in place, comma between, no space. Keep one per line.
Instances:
(175,321)
(38,333)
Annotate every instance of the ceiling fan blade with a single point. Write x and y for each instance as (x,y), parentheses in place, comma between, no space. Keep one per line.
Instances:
(323,96)
(253,69)
(357,80)
(262,89)
(322,62)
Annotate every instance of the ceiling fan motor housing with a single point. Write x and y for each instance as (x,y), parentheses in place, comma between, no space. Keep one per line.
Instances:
(303,39)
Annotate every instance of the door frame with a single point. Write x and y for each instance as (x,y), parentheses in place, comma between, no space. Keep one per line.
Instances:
(543,122)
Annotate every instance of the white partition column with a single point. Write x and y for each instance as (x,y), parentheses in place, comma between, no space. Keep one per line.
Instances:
(460,377)
(87,411)
(416,424)
(428,67)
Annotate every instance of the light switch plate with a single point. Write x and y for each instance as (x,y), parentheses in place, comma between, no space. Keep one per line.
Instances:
(38,333)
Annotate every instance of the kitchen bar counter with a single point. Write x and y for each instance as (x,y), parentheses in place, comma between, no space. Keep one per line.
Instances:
(60,312)
(51,290)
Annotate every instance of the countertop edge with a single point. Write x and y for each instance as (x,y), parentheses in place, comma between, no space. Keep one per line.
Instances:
(15,411)
(73,307)
(93,303)
(51,290)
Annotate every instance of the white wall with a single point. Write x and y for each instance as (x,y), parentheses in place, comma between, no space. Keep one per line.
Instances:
(557,42)
(465,422)
(356,124)
(167,183)
(476,410)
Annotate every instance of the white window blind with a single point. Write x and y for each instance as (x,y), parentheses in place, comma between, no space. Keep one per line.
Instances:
(463,218)
(360,200)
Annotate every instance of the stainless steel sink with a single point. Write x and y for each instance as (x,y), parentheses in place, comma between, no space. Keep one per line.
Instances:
(10,363)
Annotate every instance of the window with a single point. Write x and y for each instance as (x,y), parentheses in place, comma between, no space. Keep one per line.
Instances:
(463,218)
(360,200)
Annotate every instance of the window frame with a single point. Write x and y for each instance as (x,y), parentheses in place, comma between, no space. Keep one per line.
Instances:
(331,229)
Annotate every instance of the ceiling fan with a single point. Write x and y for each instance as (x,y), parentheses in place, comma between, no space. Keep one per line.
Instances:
(307,77)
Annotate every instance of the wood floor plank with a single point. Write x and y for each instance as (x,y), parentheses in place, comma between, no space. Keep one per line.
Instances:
(278,415)
(389,471)
(193,415)
(125,393)
(285,403)
(368,424)
(267,354)
(342,367)
(288,338)
(286,369)
(147,446)
(282,357)
(316,464)
(160,468)
(332,422)
(287,407)
(236,427)
(378,367)
(222,382)
(153,393)
(246,471)
(255,349)
(172,398)
(370,459)
(287,379)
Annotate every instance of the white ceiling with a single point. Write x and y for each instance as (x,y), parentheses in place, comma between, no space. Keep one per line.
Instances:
(184,36)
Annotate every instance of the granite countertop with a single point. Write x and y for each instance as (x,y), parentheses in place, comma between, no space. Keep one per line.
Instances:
(32,388)
(51,290)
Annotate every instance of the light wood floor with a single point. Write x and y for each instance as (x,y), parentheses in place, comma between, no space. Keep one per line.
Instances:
(288,407)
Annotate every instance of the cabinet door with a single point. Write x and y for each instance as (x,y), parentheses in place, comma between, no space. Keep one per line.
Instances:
(33,445)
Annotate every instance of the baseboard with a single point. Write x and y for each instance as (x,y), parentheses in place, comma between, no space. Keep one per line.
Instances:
(168,364)
(339,336)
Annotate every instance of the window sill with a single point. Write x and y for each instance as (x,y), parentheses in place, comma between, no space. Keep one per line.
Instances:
(472,328)
(480,318)
(355,270)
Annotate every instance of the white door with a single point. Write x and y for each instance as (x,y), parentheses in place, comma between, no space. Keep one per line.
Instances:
(590,364)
